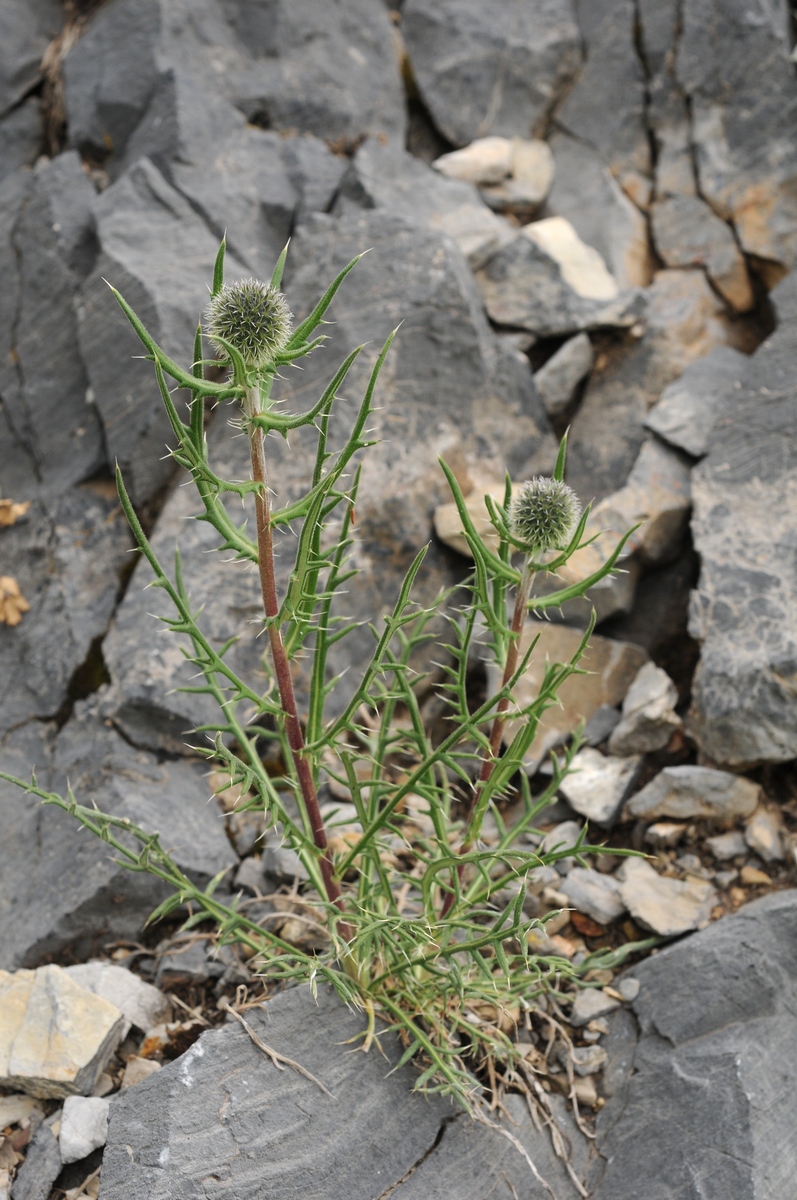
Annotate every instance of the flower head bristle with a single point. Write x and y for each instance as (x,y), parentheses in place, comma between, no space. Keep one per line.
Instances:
(253,318)
(544,514)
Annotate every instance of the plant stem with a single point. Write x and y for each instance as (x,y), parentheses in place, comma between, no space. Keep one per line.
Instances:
(499,720)
(282,670)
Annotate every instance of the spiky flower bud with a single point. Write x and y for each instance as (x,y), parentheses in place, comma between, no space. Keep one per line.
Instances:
(253,318)
(544,514)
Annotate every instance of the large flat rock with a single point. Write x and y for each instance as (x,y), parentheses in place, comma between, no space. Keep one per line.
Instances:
(222,1120)
(704,1096)
(60,890)
(744,609)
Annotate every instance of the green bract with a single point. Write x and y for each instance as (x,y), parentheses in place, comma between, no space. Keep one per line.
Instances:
(425,923)
(544,514)
(251,317)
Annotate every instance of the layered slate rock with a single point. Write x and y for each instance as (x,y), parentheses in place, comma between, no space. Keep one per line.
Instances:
(705,1090)
(330,70)
(50,432)
(689,407)
(27,30)
(21,136)
(67,556)
(60,888)
(223,1119)
(448,388)
(744,609)
(487,70)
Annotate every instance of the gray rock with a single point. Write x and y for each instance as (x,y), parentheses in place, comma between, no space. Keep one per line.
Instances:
(548,281)
(628,988)
(663,835)
(159,254)
(688,233)
(27,30)
(702,793)
(483,71)
(665,906)
(562,837)
(373,1136)
(45,247)
(596,895)
(597,785)
(726,846)
(764,835)
(744,609)
(284,863)
(67,556)
(606,108)
(742,92)
(684,319)
(649,718)
(325,69)
(589,1004)
(586,192)
(713,1066)
(384,176)
(42,1166)
(314,172)
(84,1126)
(667,116)
(601,723)
(59,887)
(21,137)
(445,361)
(558,379)
(691,406)
(724,879)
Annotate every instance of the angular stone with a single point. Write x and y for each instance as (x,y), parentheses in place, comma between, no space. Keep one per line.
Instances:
(563,836)
(764,835)
(684,320)
(487,160)
(45,249)
(490,71)
(21,137)
(314,172)
(448,523)
(55,1037)
(695,793)
(27,30)
(42,1166)
(688,233)
(387,177)
(726,846)
(319,68)
(596,895)
(744,609)
(665,906)
(649,717)
(140,1003)
(586,192)
(529,181)
(84,1126)
(713,1066)
(450,389)
(67,554)
(59,887)
(137,1070)
(600,725)
(596,786)
(159,254)
(611,666)
(606,108)
(590,1004)
(558,378)
(742,92)
(664,836)
(690,407)
(550,282)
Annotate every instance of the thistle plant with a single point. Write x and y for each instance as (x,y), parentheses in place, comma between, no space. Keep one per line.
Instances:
(423,912)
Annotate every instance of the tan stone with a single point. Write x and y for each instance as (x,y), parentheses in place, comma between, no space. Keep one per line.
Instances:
(138,1069)
(55,1036)
(487,160)
(611,667)
(582,267)
(667,906)
(448,523)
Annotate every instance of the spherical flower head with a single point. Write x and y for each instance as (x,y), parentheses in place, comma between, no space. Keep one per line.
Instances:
(253,318)
(544,514)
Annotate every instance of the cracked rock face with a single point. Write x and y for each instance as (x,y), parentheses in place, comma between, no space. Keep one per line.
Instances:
(223,1119)
(59,887)
(702,1094)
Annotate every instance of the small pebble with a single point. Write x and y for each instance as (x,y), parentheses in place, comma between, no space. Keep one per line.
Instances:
(752,877)
(628,988)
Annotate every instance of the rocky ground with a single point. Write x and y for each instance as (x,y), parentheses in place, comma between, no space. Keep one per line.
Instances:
(584,212)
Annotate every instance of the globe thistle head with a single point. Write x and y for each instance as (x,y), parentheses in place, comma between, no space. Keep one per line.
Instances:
(253,318)
(544,514)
